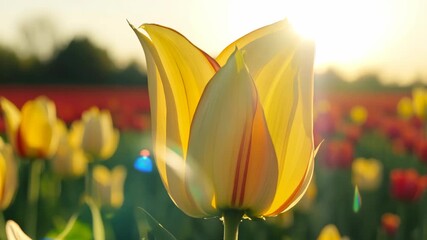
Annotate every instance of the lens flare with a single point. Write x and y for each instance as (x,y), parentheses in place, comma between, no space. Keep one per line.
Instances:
(143,164)
(357,201)
(144,153)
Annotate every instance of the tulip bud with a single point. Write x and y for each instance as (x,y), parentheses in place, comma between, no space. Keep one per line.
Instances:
(329,232)
(95,134)
(405,108)
(338,154)
(390,223)
(14,231)
(406,185)
(419,100)
(108,185)
(69,160)
(367,173)
(8,175)
(32,131)
(358,115)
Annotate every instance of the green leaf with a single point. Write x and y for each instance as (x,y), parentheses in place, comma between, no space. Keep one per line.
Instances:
(150,228)
(78,230)
(98,225)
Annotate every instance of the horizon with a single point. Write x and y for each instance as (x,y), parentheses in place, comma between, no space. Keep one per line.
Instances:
(382,37)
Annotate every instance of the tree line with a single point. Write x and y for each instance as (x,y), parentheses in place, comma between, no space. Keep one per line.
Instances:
(78,62)
(82,62)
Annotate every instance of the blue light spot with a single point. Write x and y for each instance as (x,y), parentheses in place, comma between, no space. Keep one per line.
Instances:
(143,164)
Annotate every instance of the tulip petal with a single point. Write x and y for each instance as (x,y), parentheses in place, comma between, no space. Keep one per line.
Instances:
(11,177)
(12,119)
(3,167)
(288,109)
(118,179)
(177,75)
(37,127)
(281,27)
(14,232)
(111,135)
(110,145)
(69,160)
(329,232)
(101,187)
(230,144)
(281,64)
(92,132)
(76,133)
(183,69)
(298,192)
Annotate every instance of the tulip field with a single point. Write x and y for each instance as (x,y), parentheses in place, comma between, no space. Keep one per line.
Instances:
(369,176)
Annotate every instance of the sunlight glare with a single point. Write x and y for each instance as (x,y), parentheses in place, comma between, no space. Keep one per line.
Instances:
(345,32)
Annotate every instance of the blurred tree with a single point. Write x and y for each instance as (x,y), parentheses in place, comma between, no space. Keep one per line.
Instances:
(369,81)
(14,69)
(9,65)
(132,74)
(81,62)
(329,81)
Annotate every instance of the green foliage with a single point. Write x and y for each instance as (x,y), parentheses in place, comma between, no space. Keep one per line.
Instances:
(79,230)
(79,62)
(331,82)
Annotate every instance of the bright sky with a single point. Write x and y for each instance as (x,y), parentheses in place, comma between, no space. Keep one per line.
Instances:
(385,36)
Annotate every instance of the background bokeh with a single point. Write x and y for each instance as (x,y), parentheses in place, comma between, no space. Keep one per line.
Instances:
(359,114)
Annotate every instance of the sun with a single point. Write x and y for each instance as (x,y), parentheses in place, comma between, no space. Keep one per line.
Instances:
(346,33)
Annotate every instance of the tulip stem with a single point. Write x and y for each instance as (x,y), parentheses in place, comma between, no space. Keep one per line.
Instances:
(36,167)
(69,226)
(2,226)
(231,221)
(88,179)
(97,223)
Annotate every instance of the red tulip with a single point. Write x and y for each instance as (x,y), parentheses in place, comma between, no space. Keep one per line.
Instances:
(352,132)
(406,185)
(390,223)
(338,154)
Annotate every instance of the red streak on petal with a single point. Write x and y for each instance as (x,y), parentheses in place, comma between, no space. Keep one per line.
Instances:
(245,174)
(212,61)
(20,146)
(237,170)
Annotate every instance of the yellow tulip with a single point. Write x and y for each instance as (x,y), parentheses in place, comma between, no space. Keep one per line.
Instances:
(329,232)
(367,173)
(405,108)
(235,132)
(358,114)
(8,175)
(108,185)
(95,134)
(32,131)
(14,231)
(419,100)
(69,160)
